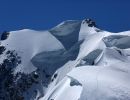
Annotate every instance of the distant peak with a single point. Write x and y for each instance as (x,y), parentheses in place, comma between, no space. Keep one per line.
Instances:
(90,22)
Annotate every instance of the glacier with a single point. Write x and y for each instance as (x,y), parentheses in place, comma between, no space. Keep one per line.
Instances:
(75,60)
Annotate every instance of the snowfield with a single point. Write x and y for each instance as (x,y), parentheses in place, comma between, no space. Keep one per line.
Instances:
(73,61)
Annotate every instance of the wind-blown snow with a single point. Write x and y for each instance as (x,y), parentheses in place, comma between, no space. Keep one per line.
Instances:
(29,43)
(109,79)
(72,61)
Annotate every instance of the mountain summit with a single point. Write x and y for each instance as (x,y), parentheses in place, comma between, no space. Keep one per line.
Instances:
(74,60)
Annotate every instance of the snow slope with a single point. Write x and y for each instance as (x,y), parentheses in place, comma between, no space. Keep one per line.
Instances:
(101,70)
(28,43)
(73,61)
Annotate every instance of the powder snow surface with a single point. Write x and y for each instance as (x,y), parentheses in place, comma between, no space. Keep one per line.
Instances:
(81,61)
(107,78)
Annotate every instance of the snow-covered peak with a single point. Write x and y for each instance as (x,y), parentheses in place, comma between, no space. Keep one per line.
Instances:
(66,27)
(27,43)
(90,22)
(67,32)
(72,61)
(88,27)
(101,70)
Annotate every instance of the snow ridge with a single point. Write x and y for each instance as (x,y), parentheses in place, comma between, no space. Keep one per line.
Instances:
(73,61)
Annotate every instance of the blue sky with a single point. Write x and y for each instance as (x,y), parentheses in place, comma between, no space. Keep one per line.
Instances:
(111,15)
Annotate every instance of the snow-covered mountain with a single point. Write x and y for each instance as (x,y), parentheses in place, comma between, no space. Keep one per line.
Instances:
(73,61)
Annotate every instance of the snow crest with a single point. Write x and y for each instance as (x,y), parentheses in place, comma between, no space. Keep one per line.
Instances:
(73,61)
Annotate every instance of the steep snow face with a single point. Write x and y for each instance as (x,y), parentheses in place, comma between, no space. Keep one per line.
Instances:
(18,73)
(88,27)
(32,57)
(119,41)
(72,61)
(94,41)
(67,32)
(101,70)
(28,43)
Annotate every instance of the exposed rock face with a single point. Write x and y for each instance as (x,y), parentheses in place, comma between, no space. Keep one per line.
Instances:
(90,23)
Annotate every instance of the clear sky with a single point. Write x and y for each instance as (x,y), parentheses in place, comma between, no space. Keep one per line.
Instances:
(111,15)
